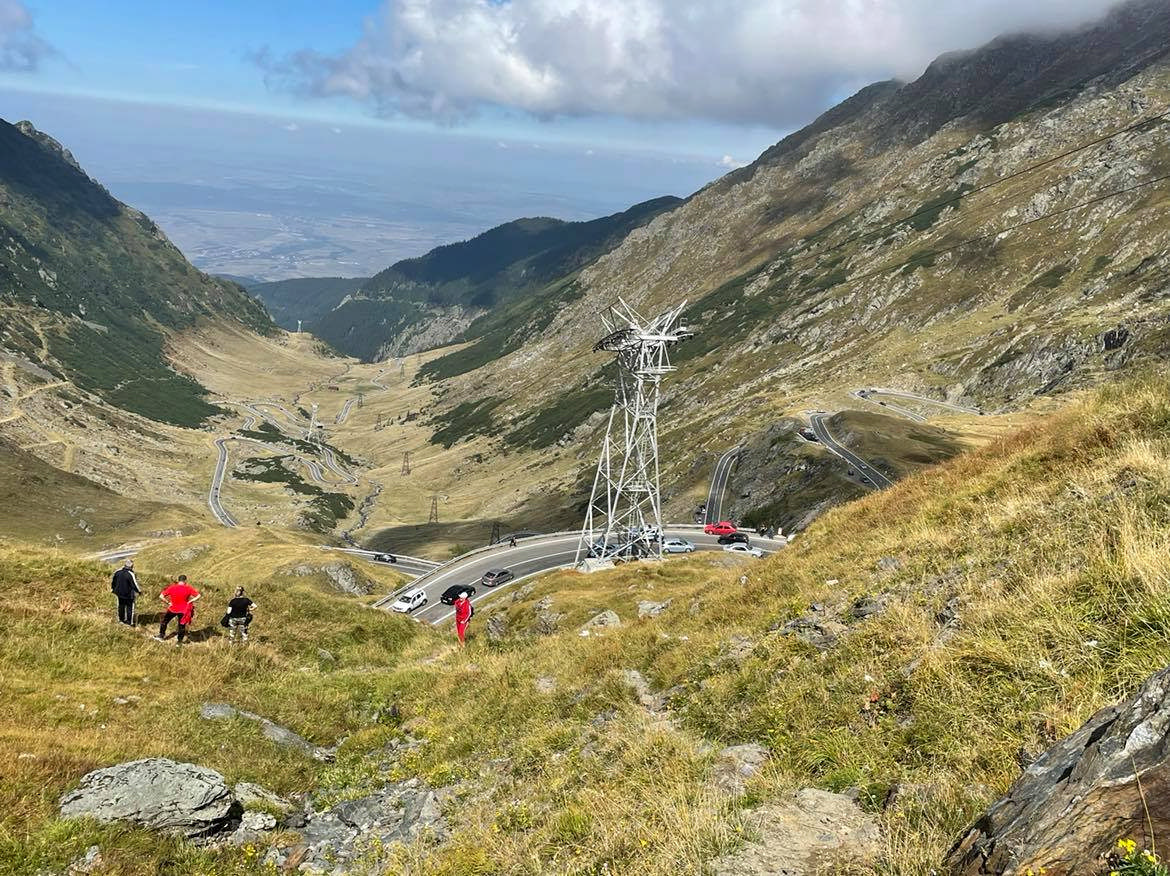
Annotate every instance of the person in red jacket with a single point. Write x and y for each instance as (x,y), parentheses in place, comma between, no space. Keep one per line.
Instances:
(180,598)
(463,613)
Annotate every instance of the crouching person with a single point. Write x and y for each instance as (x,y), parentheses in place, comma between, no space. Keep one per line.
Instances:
(239,615)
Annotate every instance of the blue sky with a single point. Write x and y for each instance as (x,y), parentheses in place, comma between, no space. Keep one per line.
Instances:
(277,138)
(202,55)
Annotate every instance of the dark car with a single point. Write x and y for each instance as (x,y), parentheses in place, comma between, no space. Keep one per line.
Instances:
(385,558)
(492,577)
(735,538)
(452,593)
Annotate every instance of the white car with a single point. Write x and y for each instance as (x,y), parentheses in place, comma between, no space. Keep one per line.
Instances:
(739,548)
(677,546)
(409,601)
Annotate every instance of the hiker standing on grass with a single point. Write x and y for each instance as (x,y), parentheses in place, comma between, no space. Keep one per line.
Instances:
(125,586)
(239,615)
(180,598)
(463,613)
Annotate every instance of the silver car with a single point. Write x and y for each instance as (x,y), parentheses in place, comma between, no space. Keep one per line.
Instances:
(678,546)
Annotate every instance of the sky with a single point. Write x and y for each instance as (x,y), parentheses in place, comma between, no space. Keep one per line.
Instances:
(661,95)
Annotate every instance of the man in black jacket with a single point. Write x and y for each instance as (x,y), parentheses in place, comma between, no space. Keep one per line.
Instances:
(125,587)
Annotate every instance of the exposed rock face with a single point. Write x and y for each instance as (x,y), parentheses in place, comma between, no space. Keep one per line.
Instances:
(156,793)
(737,764)
(334,839)
(812,833)
(1082,795)
(653,609)
(603,620)
(280,735)
(497,627)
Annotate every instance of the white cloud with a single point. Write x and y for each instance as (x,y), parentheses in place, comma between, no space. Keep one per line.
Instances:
(749,61)
(336,130)
(292,126)
(21,49)
(730,163)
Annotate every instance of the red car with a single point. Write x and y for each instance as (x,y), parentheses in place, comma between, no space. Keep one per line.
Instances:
(723,527)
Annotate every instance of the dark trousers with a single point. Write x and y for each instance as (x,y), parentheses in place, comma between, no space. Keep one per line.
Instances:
(126,610)
(166,622)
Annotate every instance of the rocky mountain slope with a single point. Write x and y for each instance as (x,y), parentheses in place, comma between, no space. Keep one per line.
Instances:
(994,231)
(456,290)
(92,291)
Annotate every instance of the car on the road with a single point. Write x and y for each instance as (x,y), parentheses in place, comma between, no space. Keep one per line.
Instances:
(385,558)
(492,577)
(678,546)
(452,593)
(409,601)
(735,538)
(723,527)
(744,549)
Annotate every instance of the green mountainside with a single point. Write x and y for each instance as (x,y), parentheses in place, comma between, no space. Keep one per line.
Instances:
(91,288)
(454,291)
(994,232)
(306,299)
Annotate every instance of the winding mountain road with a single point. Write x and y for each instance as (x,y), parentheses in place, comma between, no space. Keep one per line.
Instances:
(872,475)
(531,556)
(719,484)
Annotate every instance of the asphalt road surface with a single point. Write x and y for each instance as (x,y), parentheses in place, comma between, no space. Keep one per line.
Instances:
(897,393)
(413,566)
(864,395)
(719,484)
(867,471)
(530,556)
(213,495)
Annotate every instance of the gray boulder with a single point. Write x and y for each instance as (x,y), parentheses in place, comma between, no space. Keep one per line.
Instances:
(603,620)
(1108,780)
(158,794)
(814,832)
(736,764)
(652,609)
(282,736)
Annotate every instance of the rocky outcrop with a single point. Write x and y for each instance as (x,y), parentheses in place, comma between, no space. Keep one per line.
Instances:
(736,764)
(1108,780)
(282,736)
(158,794)
(814,832)
(352,832)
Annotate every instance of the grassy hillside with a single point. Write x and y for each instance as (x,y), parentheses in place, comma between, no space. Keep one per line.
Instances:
(989,604)
(307,299)
(462,281)
(91,288)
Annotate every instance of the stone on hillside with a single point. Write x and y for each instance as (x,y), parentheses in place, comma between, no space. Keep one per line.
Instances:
(814,832)
(1108,780)
(545,685)
(889,565)
(603,620)
(257,821)
(347,579)
(736,764)
(497,627)
(652,702)
(653,609)
(158,794)
(282,736)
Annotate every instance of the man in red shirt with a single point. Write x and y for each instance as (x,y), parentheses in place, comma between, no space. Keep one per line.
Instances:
(180,598)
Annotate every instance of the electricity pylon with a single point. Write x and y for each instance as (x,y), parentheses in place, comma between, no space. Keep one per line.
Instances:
(624,517)
(405,462)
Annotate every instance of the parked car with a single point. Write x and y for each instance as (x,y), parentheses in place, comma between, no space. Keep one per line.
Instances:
(735,538)
(492,577)
(385,558)
(723,527)
(409,601)
(452,593)
(740,548)
(677,546)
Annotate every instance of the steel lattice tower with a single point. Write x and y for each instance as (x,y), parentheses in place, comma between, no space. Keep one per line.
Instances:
(624,517)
